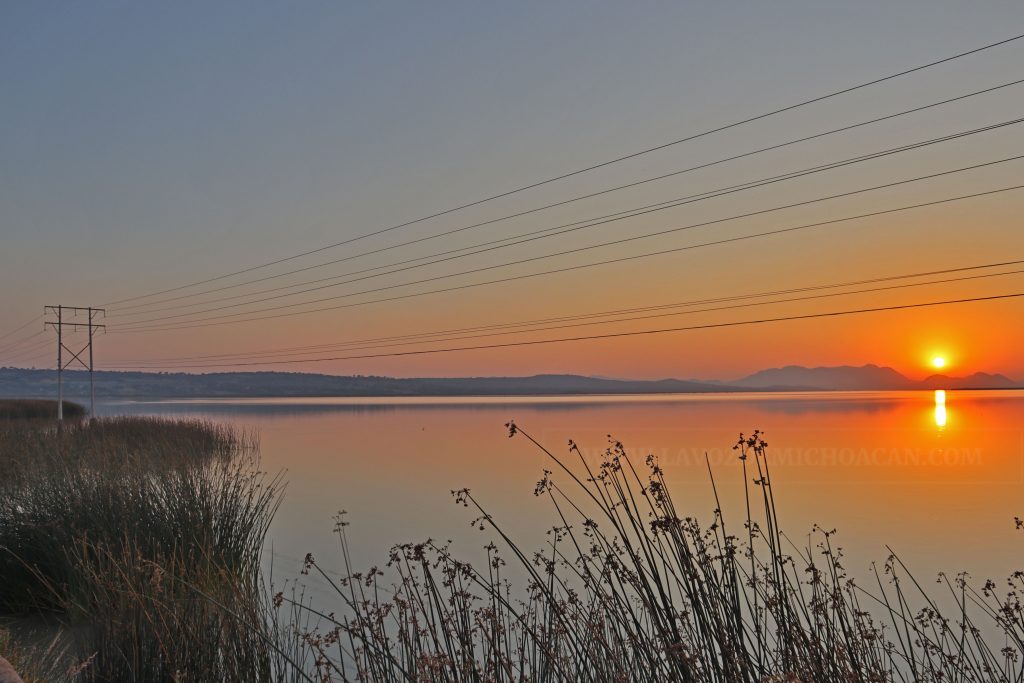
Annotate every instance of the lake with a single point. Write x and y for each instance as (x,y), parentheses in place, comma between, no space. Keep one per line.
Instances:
(938,478)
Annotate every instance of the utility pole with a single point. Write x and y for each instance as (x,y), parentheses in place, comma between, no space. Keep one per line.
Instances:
(60,363)
(59,324)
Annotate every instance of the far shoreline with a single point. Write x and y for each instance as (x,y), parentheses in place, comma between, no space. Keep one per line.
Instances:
(455,399)
(150,386)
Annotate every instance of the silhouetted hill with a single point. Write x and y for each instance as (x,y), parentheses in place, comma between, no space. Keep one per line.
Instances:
(842,378)
(22,383)
(979,380)
(43,383)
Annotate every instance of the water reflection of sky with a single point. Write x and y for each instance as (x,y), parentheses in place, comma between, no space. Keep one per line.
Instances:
(939,480)
(789,403)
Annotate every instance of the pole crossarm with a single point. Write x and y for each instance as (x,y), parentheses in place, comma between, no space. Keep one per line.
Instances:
(85,326)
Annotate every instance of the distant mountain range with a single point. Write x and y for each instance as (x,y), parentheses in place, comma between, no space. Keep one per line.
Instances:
(34,383)
(18,382)
(865,377)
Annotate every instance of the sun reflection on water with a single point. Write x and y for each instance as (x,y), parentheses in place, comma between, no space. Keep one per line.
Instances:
(940,408)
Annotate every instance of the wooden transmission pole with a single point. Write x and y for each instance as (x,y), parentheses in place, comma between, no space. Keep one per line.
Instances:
(87,361)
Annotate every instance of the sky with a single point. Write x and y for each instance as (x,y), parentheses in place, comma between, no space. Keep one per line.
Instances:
(149,146)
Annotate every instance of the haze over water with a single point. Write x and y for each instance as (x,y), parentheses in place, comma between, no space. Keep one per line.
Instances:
(940,483)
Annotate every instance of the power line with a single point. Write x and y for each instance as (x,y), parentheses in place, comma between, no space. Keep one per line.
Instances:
(561,203)
(20,346)
(599,314)
(510,241)
(29,363)
(587,265)
(20,328)
(29,353)
(178,364)
(635,333)
(33,358)
(13,346)
(585,169)
(594,246)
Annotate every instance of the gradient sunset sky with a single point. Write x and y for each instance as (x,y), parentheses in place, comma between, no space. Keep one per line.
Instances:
(150,145)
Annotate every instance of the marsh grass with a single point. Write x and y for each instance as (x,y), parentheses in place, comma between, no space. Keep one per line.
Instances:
(37,409)
(145,536)
(632,588)
(36,663)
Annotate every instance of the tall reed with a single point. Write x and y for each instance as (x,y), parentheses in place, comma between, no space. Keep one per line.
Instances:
(144,537)
(632,588)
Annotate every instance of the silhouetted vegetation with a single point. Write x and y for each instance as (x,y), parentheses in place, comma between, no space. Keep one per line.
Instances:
(632,588)
(37,409)
(143,538)
(149,533)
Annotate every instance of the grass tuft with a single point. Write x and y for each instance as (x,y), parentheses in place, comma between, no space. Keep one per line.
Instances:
(37,409)
(135,533)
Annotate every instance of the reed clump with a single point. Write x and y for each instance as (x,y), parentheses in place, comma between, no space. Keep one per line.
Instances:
(632,588)
(143,537)
(37,409)
(33,663)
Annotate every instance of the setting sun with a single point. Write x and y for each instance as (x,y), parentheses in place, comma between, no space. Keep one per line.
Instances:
(939,361)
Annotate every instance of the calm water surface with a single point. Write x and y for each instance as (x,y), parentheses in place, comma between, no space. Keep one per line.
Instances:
(939,479)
